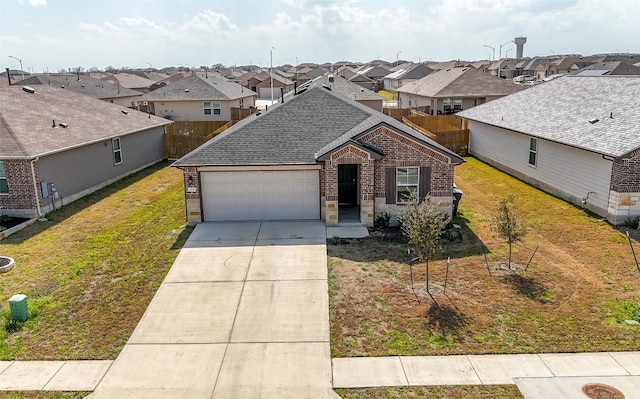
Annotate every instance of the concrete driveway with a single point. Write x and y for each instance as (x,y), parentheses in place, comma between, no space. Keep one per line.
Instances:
(243,313)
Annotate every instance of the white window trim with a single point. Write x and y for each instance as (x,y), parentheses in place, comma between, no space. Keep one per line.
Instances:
(205,108)
(417,185)
(535,152)
(119,150)
(218,108)
(5,179)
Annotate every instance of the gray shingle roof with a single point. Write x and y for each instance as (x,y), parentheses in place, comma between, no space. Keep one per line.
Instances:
(560,111)
(459,82)
(26,121)
(296,132)
(347,88)
(198,88)
(86,85)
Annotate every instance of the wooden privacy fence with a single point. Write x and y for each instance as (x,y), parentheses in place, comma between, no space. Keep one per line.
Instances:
(181,137)
(446,130)
(238,114)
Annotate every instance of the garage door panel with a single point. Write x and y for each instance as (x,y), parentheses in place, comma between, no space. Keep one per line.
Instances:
(261,195)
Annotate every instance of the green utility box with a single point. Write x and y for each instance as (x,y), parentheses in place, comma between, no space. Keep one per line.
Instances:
(19,307)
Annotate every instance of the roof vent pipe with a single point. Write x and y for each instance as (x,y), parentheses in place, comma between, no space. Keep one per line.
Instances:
(8,75)
(611,115)
(54,123)
(295,87)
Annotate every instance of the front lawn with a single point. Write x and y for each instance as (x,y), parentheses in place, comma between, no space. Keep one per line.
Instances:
(42,395)
(90,272)
(435,392)
(580,287)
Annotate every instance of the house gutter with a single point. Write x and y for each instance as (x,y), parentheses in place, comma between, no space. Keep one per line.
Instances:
(35,189)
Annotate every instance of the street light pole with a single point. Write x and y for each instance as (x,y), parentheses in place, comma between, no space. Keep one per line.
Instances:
(500,55)
(398,57)
(297,69)
(21,70)
(271,72)
(493,57)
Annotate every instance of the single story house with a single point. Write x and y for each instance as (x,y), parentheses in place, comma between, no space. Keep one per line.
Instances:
(576,137)
(352,91)
(608,68)
(130,81)
(405,75)
(451,90)
(279,82)
(196,98)
(57,146)
(317,156)
(96,88)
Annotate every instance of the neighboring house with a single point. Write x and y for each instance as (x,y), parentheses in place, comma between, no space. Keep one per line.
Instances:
(264,87)
(405,75)
(575,137)
(130,81)
(530,67)
(57,146)
(608,68)
(351,91)
(570,64)
(195,98)
(451,90)
(315,156)
(506,66)
(364,81)
(96,88)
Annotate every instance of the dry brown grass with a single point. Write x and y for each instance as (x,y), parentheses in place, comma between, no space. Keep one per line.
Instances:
(571,299)
(435,392)
(41,395)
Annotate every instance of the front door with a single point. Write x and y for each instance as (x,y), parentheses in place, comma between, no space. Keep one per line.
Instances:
(348,184)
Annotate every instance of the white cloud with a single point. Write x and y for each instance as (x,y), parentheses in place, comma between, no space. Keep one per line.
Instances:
(37,3)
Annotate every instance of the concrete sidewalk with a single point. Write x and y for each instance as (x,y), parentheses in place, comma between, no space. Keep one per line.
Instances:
(73,375)
(537,373)
(243,313)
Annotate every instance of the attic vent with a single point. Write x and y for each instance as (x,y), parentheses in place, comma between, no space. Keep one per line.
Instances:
(62,86)
(186,90)
(124,111)
(594,120)
(331,78)
(327,87)
(63,125)
(28,89)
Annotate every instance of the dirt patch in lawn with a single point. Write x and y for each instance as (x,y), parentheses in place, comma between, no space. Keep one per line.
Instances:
(574,296)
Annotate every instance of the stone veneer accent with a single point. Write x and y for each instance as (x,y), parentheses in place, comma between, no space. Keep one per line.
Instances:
(21,200)
(192,200)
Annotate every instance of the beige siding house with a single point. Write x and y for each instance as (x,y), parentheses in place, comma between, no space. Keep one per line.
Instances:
(196,98)
(586,151)
(452,90)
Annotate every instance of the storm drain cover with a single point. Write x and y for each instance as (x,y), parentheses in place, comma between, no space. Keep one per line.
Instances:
(602,391)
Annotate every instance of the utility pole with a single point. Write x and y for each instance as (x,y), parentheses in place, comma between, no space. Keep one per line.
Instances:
(493,49)
(500,55)
(271,72)
(21,70)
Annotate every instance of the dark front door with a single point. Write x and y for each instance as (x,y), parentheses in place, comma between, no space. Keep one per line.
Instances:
(348,184)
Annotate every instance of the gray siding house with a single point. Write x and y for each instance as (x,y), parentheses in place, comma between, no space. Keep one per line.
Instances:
(57,146)
(575,137)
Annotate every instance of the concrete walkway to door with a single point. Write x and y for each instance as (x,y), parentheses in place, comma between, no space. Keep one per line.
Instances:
(243,313)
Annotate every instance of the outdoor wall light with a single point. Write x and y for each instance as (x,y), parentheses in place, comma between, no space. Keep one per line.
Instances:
(190,180)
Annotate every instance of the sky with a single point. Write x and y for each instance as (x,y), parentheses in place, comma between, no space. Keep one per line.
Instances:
(49,35)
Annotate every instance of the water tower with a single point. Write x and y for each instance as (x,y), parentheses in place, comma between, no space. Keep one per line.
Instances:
(519,41)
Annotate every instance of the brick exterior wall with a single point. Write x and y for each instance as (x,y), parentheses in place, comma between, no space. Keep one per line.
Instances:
(192,200)
(625,174)
(21,199)
(354,156)
(401,151)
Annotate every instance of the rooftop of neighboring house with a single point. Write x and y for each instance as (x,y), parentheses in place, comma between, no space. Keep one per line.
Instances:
(410,72)
(129,80)
(599,114)
(298,131)
(195,87)
(505,63)
(532,63)
(459,82)
(27,120)
(608,68)
(346,88)
(82,84)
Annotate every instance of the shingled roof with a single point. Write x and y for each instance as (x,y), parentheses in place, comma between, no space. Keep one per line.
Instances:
(565,111)
(198,88)
(84,85)
(26,121)
(298,132)
(459,82)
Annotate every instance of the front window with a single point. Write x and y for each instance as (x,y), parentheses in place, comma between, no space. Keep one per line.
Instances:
(117,151)
(4,187)
(211,107)
(406,184)
(533,151)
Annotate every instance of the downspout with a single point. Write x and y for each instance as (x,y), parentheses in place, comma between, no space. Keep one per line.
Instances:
(35,189)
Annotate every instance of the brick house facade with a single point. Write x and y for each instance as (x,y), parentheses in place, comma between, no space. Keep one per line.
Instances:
(20,200)
(624,197)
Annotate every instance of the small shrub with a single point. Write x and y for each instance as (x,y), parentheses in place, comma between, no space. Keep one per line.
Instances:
(382,220)
(453,235)
(633,222)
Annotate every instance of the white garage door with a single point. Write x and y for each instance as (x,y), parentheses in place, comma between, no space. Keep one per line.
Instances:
(261,195)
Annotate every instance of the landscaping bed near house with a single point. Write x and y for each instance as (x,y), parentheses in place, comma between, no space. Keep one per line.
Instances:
(435,392)
(91,270)
(576,294)
(7,222)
